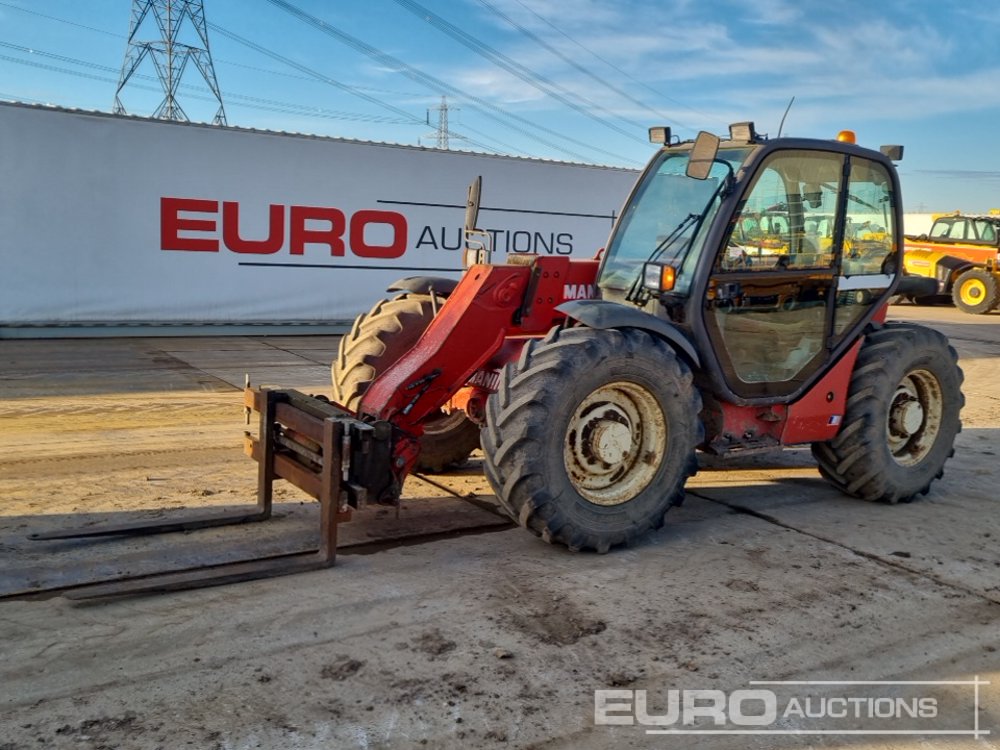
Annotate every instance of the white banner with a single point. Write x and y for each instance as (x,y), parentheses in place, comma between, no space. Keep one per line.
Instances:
(125,220)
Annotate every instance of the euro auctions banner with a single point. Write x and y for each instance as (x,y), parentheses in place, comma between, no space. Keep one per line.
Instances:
(107,219)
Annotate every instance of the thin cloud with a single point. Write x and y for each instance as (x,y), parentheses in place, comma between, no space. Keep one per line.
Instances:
(498,86)
(975,175)
(692,48)
(775,12)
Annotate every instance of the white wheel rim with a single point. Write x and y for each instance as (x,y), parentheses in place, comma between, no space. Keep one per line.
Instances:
(614,443)
(914,418)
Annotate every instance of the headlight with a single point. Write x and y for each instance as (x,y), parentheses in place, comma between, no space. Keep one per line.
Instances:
(658,278)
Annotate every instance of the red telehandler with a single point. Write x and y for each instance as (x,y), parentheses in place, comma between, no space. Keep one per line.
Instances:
(592,384)
(687,334)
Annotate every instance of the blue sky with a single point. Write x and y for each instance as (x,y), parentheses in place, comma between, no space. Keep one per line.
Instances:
(577,80)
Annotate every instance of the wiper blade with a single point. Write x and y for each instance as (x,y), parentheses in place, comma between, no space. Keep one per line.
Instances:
(666,242)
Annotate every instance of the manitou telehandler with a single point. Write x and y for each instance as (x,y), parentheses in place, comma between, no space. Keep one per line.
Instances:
(592,384)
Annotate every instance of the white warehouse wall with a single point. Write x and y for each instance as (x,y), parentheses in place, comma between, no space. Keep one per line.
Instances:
(107,219)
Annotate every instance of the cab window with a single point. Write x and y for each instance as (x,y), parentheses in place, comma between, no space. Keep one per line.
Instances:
(767,301)
(985,231)
(941,228)
(787,219)
(869,249)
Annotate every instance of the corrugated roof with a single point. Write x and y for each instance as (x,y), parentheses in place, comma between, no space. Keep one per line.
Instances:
(287,133)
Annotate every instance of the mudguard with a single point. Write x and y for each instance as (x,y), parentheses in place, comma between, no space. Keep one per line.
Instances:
(424,285)
(948,268)
(942,269)
(598,313)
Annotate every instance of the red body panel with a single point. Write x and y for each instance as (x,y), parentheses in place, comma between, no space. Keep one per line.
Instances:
(730,427)
(817,416)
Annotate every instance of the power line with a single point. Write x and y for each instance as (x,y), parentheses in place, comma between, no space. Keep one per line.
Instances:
(55,69)
(611,65)
(253,102)
(60,58)
(548,87)
(218,60)
(306,110)
(60,20)
(243,100)
(326,79)
(425,79)
(435,84)
(493,138)
(287,74)
(573,63)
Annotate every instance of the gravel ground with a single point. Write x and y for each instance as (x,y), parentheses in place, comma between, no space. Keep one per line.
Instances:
(488,639)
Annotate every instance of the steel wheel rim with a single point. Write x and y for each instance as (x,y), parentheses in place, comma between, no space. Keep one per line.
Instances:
(972,292)
(914,418)
(615,442)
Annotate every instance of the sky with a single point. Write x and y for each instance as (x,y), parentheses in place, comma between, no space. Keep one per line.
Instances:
(572,80)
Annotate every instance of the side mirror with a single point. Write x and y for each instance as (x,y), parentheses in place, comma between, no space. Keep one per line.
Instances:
(706,148)
(893,152)
(477,242)
(472,204)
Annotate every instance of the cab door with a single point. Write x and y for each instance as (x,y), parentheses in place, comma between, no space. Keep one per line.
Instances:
(805,258)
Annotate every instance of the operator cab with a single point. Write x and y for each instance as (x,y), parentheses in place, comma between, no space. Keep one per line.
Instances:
(768,255)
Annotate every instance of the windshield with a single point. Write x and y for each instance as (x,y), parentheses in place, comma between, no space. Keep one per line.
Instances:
(663,216)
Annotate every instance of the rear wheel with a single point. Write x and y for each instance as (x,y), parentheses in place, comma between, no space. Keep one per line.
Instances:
(976,291)
(903,412)
(376,341)
(591,436)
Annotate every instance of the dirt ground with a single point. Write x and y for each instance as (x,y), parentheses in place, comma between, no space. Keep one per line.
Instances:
(484,638)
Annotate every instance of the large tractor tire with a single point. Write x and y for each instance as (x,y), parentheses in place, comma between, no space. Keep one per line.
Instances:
(976,291)
(903,412)
(376,341)
(591,436)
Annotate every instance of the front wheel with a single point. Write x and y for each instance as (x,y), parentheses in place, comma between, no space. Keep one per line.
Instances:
(376,341)
(591,436)
(976,292)
(903,412)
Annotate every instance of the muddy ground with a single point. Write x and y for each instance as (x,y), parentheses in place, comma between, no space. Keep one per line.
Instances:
(487,639)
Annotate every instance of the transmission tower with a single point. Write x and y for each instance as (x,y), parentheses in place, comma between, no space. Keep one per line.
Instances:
(442,133)
(170,57)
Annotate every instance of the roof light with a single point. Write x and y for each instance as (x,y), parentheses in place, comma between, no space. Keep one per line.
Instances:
(742,131)
(659,134)
(847,136)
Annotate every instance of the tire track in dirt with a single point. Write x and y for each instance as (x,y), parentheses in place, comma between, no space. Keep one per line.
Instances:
(880,559)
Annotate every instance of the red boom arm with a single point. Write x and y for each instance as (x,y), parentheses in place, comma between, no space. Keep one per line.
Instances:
(490,304)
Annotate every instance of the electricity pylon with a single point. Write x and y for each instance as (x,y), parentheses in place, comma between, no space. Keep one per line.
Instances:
(170,57)
(443,132)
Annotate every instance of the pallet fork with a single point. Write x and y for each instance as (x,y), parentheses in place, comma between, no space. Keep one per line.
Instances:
(304,440)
